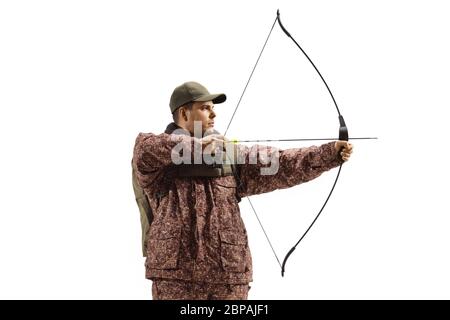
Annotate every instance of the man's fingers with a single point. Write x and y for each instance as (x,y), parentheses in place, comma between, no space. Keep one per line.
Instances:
(346,149)
(211,138)
(216,144)
(341,144)
(349,152)
(219,138)
(344,145)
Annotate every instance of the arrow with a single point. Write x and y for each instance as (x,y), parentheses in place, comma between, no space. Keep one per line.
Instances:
(304,139)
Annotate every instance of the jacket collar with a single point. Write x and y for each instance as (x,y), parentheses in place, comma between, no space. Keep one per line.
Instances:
(171,127)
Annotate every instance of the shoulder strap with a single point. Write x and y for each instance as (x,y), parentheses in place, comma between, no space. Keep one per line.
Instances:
(144,209)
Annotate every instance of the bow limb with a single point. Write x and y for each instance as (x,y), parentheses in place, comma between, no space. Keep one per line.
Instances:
(343,135)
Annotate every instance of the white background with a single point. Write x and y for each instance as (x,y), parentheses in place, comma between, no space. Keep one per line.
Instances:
(80,79)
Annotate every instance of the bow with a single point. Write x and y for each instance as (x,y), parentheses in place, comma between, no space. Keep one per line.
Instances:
(343,135)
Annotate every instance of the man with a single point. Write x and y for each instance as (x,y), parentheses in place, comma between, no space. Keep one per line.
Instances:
(194,238)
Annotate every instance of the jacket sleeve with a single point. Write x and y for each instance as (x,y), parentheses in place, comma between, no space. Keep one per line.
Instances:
(290,167)
(153,153)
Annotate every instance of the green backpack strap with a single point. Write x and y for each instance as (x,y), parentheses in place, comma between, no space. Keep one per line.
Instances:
(145,211)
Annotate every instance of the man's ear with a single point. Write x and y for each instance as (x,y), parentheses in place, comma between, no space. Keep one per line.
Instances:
(183,113)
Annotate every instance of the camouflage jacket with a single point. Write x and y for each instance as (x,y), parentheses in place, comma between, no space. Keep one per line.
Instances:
(197,233)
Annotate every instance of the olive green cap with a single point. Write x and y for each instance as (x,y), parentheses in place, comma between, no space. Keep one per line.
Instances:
(193,91)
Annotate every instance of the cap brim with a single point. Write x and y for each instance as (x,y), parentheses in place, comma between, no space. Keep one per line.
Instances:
(215,98)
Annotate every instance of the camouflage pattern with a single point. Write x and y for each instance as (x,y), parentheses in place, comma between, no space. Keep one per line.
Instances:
(184,290)
(197,234)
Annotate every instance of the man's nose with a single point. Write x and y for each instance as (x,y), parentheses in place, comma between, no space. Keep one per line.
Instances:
(212,114)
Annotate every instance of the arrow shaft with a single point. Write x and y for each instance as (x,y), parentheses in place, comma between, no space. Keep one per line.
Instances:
(305,139)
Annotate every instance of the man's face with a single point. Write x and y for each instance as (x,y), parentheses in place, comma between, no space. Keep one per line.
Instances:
(203,112)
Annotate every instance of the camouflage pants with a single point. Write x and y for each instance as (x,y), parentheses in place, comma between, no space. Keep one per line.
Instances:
(183,290)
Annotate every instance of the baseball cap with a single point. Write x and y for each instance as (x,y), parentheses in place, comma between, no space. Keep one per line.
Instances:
(193,91)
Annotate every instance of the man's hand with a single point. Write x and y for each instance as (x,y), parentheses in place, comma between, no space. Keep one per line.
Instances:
(344,148)
(212,142)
